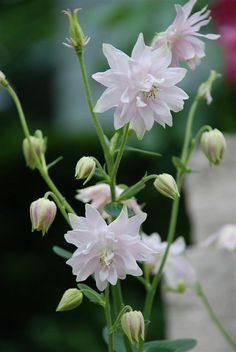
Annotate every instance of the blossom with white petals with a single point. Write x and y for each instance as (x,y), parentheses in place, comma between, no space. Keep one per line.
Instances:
(141,87)
(109,251)
(100,194)
(177,267)
(224,238)
(182,35)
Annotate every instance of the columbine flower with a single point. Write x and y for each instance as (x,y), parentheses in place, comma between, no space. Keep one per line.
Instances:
(108,251)
(177,269)
(100,194)
(224,238)
(182,35)
(141,87)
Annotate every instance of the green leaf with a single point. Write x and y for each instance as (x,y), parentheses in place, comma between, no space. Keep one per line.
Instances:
(133,193)
(181,345)
(61,252)
(114,209)
(142,151)
(118,341)
(92,295)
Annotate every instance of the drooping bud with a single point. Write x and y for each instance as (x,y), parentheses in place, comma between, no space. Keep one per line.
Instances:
(38,143)
(71,299)
(133,325)
(85,168)
(205,88)
(42,214)
(77,40)
(166,185)
(213,145)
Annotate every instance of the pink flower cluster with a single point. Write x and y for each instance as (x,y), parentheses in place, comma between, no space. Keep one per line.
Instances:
(142,87)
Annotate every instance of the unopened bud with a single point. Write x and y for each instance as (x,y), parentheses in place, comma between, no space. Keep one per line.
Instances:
(133,325)
(181,286)
(213,145)
(71,299)
(38,143)
(77,40)
(3,80)
(205,88)
(42,214)
(85,168)
(166,185)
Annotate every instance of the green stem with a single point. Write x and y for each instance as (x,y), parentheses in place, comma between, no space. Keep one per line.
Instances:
(199,291)
(118,160)
(42,168)
(108,319)
(174,213)
(97,124)
(59,205)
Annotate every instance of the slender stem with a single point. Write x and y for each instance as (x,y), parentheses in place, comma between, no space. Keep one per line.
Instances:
(127,193)
(57,201)
(108,319)
(42,168)
(97,124)
(200,292)
(174,213)
(151,292)
(118,160)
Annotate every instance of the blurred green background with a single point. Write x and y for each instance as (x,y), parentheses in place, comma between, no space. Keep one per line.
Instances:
(46,76)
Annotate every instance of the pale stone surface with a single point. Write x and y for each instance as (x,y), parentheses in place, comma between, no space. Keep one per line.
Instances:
(211,202)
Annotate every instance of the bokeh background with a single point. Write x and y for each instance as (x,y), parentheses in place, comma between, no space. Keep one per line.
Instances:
(47,78)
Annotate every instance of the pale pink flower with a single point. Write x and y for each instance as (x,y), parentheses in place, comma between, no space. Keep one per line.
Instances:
(109,251)
(182,35)
(100,194)
(177,268)
(224,238)
(141,87)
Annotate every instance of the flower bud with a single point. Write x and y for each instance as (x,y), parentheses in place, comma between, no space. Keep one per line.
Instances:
(77,39)
(38,143)
(166,185)
(204,91)
(42,214)
(71,299)
(133,325)
(85,168)
(213,145)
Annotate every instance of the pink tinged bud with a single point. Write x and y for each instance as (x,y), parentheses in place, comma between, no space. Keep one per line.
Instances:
(166,185)
(38,143)
(71,299)
(133,325)
(213,145)
(42,214)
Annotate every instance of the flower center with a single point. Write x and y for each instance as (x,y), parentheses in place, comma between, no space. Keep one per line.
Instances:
(152,92)
(106,259)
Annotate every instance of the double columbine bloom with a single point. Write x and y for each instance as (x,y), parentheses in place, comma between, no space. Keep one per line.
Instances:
(142,88)
(182,35)
(177,269)
(110,252)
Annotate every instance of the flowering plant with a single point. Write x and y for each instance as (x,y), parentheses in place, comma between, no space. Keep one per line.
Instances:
(109,239)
